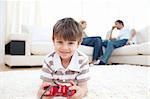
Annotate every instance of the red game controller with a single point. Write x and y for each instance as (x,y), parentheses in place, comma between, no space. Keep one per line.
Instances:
(59,90)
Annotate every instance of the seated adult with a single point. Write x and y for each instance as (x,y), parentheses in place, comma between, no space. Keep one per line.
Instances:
(124,37)
(95,42)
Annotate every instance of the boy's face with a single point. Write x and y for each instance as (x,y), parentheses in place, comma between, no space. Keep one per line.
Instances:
(65,49)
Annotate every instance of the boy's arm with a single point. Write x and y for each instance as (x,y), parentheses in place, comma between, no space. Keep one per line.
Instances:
(41,90)
(84,88)
(81,90)
(82,78)
(46,76)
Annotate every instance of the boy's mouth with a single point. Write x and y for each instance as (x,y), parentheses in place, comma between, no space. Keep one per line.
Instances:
(64,52)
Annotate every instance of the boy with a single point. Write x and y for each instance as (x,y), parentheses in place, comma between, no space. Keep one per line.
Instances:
(66,64)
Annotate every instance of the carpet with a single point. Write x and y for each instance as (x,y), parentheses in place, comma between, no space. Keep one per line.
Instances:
(107,82)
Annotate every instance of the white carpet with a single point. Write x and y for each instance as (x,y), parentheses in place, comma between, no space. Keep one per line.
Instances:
(107,82)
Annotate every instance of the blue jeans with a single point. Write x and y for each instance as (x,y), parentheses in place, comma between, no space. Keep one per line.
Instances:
(110,45)
(95,42)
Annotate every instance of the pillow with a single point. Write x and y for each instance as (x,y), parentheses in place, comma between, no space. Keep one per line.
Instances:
(38,34)
(143,35)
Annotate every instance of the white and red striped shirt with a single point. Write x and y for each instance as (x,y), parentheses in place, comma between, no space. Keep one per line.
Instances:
(77,70)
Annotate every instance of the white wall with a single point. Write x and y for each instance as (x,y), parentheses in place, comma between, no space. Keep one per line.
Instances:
(2,31)
(99,14)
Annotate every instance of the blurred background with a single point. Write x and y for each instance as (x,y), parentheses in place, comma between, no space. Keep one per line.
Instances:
(99,14)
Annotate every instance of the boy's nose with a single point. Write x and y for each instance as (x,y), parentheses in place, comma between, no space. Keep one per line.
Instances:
(65,46)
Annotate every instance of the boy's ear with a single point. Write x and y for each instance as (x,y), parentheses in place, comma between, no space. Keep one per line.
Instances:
(79,43)
(53,42)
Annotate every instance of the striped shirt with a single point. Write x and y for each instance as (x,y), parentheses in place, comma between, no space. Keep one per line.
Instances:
(77,70)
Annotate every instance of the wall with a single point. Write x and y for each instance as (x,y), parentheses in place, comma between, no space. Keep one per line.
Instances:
(99,14)
(2,31)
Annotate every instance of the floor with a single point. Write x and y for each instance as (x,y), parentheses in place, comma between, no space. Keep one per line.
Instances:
(107,82)
(7,68)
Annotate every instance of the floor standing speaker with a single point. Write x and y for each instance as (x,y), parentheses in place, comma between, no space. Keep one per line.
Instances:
(15,47)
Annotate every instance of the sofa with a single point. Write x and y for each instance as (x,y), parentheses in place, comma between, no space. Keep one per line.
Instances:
(35,50)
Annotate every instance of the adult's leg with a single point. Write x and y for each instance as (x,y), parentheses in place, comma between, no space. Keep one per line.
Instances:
(104,43)
(110,46)
(108,50)
(95,42)
(119,43)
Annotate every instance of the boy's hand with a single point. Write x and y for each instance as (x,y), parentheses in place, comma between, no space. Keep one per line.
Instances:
(79,91)
(45,85)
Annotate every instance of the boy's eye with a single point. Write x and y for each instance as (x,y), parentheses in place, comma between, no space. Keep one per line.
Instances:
(71,42)
(59,42)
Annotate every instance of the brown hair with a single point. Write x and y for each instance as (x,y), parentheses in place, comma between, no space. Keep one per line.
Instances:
(120,22)
(67,29)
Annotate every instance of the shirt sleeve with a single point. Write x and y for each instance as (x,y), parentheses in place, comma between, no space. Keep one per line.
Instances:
(46,74)
(84,73)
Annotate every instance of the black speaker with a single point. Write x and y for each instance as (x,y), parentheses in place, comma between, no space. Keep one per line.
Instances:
(15,47)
